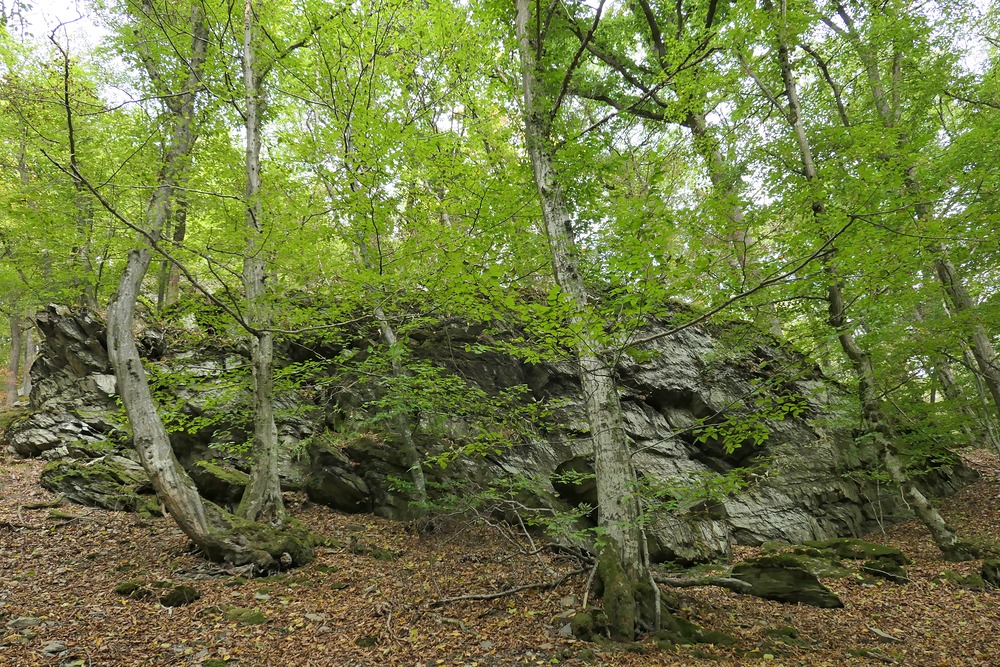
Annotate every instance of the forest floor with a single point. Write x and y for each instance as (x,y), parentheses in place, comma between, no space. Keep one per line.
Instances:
(59,568)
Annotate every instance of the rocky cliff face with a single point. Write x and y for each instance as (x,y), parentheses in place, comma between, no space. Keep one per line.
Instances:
(766,410)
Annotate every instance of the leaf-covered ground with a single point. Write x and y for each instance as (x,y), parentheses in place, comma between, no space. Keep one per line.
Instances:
(59,568)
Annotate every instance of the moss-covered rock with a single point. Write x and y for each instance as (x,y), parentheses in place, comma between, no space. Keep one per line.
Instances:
(589,624)
(135,589)
(782,578)
(219,482)
(683,631)
(111,482)
(244,615)
(972,582)
(855,549)
(180,596)
(961,551)
(886,569)
(991,572)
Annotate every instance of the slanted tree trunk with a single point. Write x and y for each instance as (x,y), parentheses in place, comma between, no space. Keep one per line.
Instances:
(942,370)
(980,344)
(887,104)
(630,597)
(14,363)
(262,498)
(875,423)
(988,421)
(220,535)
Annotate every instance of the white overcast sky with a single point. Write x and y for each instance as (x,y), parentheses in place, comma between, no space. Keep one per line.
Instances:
(46,15)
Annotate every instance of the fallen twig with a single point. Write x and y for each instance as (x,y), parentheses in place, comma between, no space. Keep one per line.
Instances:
(543,586)
(45,504)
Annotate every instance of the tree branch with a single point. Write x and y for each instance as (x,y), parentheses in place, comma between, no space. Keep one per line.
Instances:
(543,586)
(822,250)
(730,583)
(576,61)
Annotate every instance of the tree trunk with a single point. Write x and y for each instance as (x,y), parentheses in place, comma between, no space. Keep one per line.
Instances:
(988,421)
(875,423)
(220,536)
(29,360)
(981,345)
(262,498)
(403,421)
(630,597)
(14,363)
(179,233)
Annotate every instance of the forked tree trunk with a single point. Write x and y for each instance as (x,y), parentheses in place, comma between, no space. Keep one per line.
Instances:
(630,598)
(262,498)
(220,535)
(875,423)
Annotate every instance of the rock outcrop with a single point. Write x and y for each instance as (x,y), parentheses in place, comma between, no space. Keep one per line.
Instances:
(698,404)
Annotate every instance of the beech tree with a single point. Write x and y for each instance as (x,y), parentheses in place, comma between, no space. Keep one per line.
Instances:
(631,599)
(824,169)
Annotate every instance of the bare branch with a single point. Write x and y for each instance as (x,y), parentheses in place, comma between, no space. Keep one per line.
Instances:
(576,60)
(543,586)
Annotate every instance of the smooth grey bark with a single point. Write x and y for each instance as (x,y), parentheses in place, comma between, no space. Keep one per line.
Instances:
(886,98)
(219,535)
(623,564)
(876,424)
(14,362)
(29,359)
(980,344)
(172,484)
(262,497)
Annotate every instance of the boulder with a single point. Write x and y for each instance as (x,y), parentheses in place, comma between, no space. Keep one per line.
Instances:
(782,578)
(793,481)
(218,481)
(886,569)
(855,549)
(111,482)
(991,572)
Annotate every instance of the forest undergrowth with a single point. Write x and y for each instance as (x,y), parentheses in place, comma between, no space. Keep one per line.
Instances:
(371,597)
